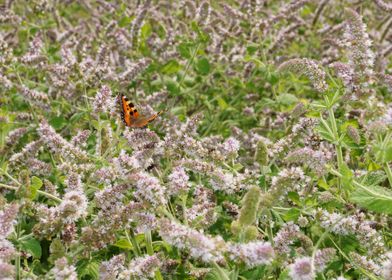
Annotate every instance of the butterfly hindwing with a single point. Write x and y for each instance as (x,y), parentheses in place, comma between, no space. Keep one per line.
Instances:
(131,116)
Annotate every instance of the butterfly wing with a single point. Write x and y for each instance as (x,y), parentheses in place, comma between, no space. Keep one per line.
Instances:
(144,121)
(131,116)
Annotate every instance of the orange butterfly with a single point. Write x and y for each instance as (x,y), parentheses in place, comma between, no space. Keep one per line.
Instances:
(131,116)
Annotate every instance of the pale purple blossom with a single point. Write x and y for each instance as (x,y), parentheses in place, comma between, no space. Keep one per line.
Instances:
(64,271)
(285,237)
(102,100)
(141,268)
(302,269)
(73,206)
(253,253)
(199,245)
(109,270)
(8,219)
(178,181)
(149,189)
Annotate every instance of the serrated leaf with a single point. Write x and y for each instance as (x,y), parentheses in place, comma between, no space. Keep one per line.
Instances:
(374,198)
(292,215)
(88,268)
(123,244)
(57,250)
(388,153)
(222,103)
(171,67)
(321,183)
(238,166)
(294,197)
(347,176)
(35,184)
(287,99)
(58,122)
(146,30)
(31,246)
(374,178)
(203,66)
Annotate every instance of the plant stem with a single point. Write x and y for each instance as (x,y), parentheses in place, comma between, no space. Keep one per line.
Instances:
(387,169)
(222,274)
(133,241)
(48,195)
(336,136)
(148,237)
(150,251)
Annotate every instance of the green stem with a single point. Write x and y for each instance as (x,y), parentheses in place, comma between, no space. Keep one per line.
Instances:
(336,136)
(221,272)
(48,195)
(183,205)
(189,63)
(150,251)
(133,241)
(387,169)
(148,237)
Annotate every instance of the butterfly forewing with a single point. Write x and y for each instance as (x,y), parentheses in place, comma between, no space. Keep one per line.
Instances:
(131,116)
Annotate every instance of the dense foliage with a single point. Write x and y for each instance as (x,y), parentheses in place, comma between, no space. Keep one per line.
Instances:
(271,160)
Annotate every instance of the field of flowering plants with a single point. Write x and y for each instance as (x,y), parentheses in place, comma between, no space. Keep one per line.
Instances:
(183,139)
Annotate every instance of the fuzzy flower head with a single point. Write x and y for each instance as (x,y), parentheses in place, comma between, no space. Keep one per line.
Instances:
(73,206)
(310,69)
(361,57)
(199,245)
(141,268)
(148,189)
(7,219)
(302,269)
(109,270)
(178,181)
(63,271)
(252,253)
(102,100)
(231,147)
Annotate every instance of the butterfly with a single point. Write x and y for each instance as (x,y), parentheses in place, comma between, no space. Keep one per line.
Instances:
(131,116)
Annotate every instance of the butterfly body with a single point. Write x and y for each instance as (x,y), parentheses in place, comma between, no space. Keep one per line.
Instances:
(131,116)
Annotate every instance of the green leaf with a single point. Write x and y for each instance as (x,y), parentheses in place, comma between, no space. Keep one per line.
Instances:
(292,215)
(35,184)
(123,244)
(146,30)
(222,103)
(347,176)
(324,129)
(124,21)
(374,178)
(58,122)
(173,87)
(57,250)
(287,99)
(374,198)
(321,183)
(284,275)
(238,166)
(171,67)
(88,268)
(203,66)
(388,153)
(294,197)
(31,246)
(262,182)
(185,50)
